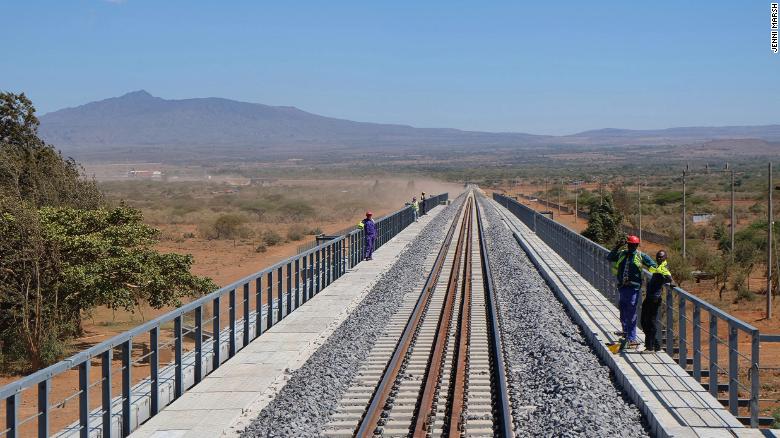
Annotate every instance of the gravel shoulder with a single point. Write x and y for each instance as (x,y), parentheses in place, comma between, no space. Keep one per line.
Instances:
(312,393)
(558,386)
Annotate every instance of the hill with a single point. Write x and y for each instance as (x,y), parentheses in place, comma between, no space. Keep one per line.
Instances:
(140,126)
(144,124)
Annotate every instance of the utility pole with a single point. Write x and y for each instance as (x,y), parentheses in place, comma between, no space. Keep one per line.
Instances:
(733,215)
(683,237)
(576,204)
(560,189)
(769,248)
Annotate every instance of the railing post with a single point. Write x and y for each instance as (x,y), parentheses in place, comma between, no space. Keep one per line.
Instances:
(280,293)
(697,342)
(317,282)
(178,381)
(215,347)
(297,282)
(755,376)
(84,398)
(258,305)
(127,349)
(289,289)
(682,331)
(12,415)
(232,322)
(270,300)
(105,389)
(733,370)
(154,370)
(669,321)
(246,315)
(44,388)
(198,374)
(305,279)
(311,276)
(713,378)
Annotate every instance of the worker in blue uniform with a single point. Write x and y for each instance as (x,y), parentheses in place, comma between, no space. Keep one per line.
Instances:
(369,235)
(627,268)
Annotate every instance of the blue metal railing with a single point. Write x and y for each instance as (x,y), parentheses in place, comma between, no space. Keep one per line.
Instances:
(266,297)
(589,259)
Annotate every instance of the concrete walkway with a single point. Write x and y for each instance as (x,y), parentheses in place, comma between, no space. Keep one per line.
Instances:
(230,397)
(674,403)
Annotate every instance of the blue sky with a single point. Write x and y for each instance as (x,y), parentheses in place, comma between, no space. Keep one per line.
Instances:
(548,67)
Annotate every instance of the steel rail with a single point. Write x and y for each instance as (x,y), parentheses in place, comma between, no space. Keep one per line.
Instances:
(503,408)
(382,392)
(458,386)
(436,360)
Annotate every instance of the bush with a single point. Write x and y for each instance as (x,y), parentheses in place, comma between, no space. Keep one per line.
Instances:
(296,233)
(667,197)
(225,226)
(314,231)
(271,238)
(261,248)
(188,235)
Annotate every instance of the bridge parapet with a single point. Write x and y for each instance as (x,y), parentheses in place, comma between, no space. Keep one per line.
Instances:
(254,304)
(690,325)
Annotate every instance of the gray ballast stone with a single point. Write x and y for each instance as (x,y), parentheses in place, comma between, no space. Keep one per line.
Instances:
(558,385)
(302,407)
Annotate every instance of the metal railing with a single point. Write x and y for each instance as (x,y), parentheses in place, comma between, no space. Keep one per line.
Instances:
(429,204)
(646,234)
(199,338)
(690,325)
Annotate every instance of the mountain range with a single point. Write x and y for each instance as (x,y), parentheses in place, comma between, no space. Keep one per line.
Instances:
(143,126)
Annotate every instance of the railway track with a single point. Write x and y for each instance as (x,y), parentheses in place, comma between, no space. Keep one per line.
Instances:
(438,368)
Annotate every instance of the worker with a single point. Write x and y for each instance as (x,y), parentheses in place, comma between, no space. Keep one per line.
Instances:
(627,268)
(653,300)
(415,208)
(422,204)
(369,235)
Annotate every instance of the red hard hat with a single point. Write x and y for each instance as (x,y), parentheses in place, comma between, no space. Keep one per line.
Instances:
(632,239)
(368,213)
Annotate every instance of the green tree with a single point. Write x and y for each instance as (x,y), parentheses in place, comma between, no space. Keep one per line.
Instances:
(33,171)
(64,250)
(604,222)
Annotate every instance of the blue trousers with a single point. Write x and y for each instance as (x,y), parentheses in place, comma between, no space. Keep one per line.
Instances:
(369,248)
(629,298)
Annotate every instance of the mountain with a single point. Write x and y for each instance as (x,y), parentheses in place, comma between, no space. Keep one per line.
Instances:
(683,134)
(140,121)
(138,125)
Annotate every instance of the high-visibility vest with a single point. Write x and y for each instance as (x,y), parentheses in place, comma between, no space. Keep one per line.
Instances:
(416,205)
(637,262)
(361,225)
(661,269)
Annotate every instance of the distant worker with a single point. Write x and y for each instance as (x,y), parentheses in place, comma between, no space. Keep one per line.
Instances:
(369,235)
(627,268)
(415,208)
(422,204)
(653,300)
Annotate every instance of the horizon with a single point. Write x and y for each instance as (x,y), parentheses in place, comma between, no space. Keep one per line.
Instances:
(550,69)
(594,129)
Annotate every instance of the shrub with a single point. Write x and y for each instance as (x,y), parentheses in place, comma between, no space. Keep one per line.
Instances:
(314,231)
(271,238)
(261,248)
(225,226)
(296,233)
